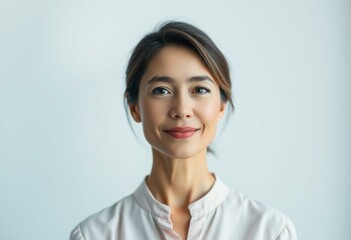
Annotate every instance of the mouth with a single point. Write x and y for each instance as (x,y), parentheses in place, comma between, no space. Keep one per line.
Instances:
(181,132)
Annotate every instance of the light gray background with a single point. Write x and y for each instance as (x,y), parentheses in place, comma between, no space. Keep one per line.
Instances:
(65,146)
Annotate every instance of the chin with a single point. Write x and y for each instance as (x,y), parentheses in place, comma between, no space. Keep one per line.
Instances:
(181,152)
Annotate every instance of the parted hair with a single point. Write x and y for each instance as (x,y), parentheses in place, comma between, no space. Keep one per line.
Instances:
(181,34)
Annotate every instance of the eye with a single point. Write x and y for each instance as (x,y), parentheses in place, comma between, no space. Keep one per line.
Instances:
(160,91)
(201,90)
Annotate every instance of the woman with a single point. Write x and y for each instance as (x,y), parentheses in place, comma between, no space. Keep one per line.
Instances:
(178,86)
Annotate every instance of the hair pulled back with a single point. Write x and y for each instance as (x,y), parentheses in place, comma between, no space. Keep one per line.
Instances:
(180,34)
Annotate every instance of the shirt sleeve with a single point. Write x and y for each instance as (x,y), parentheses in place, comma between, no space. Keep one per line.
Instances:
(289,232)
(76,234)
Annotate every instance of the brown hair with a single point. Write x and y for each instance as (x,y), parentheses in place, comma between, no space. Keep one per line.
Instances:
(181,34)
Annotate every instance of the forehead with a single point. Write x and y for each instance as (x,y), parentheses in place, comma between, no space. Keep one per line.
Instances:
(177,62)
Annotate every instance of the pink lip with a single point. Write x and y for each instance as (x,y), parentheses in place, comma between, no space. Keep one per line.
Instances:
(181,132)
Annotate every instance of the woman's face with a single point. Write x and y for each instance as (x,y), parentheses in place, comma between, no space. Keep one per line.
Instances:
(179,103)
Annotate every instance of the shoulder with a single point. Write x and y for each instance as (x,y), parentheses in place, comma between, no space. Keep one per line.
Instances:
(109,214)
(252,208)
(255,216)
(100,224)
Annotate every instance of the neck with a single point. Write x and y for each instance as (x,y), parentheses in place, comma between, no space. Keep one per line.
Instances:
(179,182)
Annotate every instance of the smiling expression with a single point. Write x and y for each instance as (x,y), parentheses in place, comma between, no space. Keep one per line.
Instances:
(179,103)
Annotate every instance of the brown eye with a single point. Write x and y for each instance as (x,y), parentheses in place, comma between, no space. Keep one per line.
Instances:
(201,90)
(160,91)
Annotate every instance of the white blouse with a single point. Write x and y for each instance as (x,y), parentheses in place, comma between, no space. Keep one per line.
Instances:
(221,214)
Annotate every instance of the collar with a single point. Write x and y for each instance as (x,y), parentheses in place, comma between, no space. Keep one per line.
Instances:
(199,208)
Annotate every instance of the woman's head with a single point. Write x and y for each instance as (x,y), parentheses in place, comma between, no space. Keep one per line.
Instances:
(178,85)
(181,34)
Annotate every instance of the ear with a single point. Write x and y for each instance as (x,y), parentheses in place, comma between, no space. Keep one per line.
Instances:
(134,110)
(221,110)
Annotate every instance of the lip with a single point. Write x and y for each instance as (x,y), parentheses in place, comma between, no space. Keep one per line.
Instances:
(181,132)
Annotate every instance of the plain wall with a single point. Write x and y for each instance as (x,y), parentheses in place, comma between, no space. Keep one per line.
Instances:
(66,150)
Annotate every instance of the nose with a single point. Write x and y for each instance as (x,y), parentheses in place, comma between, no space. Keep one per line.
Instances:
(181,107)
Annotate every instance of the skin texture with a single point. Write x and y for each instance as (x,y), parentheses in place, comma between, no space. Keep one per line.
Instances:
(182,93)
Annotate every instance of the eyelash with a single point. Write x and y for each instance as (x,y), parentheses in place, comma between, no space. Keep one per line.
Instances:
(203,88)
(156,90)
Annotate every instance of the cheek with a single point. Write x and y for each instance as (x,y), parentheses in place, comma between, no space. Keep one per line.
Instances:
(210,112)
(151,113)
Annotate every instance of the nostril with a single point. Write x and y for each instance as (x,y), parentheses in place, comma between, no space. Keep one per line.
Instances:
(181,116)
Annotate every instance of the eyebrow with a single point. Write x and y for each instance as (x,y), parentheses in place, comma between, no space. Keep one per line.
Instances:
(172,80)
